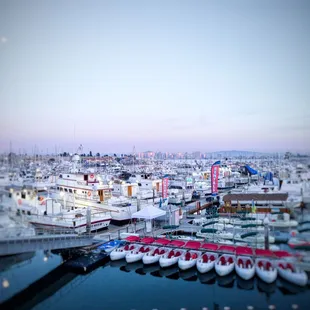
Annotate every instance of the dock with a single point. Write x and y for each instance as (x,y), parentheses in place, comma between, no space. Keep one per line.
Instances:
(17,245)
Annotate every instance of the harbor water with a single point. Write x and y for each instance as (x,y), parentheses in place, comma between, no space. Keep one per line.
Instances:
(39,281)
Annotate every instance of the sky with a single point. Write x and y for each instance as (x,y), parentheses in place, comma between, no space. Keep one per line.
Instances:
(158,75)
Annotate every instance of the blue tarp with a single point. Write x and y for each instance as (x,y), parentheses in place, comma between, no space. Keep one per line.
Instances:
(250,170)
(269,176)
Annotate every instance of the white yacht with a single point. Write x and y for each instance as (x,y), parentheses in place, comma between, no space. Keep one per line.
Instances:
(50,214)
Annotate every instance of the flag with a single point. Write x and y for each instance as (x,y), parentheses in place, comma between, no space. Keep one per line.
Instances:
(165,188)
(215,170)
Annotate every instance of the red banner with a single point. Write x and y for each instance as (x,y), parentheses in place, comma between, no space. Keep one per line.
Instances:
(165,187)
(215,170)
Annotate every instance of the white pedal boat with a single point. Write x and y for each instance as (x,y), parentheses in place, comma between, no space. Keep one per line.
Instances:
(188,259)
(120,253)
(206,262)
(245,267)
(292,274)
(153,256)
(137,253)
(225,264)
(265,270)
(170,258)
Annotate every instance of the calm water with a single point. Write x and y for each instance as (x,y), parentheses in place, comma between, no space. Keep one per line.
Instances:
(116,285)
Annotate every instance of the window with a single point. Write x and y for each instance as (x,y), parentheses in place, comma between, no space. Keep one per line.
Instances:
(66,189)
(60,176)
(61,189)
(23,195)
(58,187)
(70,190)
(75,191)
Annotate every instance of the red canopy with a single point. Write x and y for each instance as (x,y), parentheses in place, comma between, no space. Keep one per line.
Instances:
(281,254)
(264,253)
(244,250)
(147,240)
(193,245)
(162,241)
(133,238)
(210,246)
(177,243)
(227,248)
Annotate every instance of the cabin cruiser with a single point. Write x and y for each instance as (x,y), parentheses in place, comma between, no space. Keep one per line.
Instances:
(50,214)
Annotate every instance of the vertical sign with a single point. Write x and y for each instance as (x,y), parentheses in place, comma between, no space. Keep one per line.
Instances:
(215,170)
(165,187)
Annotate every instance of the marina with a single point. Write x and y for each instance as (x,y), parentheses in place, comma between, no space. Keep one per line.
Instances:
(154,155)
(227,241)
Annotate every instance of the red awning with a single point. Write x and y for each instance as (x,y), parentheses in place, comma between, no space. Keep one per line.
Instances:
(193,245)
(177,243)
(281,254)
(244,250)
(133,238)
(162,241)
(264,253)
(227,248)
(147,240)
(210,246)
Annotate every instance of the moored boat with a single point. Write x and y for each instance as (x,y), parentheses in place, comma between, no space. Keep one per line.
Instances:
(137,253)
(291,273)
(188,260)
(120,253)
(170,258)
(265,270)
(244,267)
(225,264)
(154,255)
(108,247)
(206,262)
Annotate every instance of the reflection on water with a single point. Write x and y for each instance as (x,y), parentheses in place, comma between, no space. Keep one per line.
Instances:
(245,284)
(207,278)
(226,281)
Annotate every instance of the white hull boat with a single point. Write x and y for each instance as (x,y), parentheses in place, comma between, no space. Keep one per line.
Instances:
(170,258)
(206,262)
(153,256)
(137,253)
(290,273)
(225,264)
(244,267)
(265,270)
(121,252)
(188,260)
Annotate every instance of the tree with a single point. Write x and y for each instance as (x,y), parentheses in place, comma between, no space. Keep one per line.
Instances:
(98,154)
(90,154)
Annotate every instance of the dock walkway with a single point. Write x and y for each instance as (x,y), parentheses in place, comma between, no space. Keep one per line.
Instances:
(17,245)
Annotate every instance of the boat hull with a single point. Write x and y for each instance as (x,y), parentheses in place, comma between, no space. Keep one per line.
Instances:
(297,278)
(268,276)
(226,268)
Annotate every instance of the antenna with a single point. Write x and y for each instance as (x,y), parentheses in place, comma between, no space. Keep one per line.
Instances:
(133,158)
